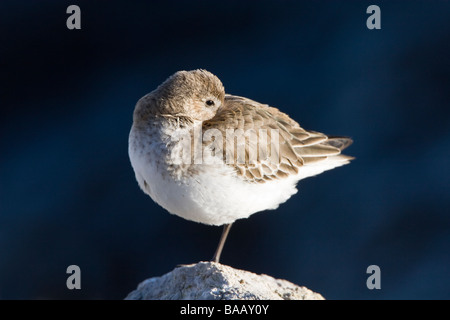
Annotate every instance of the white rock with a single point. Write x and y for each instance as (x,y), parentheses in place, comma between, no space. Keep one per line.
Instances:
(215,281)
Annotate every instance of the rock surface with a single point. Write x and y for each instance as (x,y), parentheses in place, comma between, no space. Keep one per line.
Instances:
(215,281)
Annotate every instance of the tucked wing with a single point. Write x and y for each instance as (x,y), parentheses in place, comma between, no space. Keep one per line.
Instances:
(263,143)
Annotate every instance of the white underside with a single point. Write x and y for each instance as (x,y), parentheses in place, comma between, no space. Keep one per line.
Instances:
(215,195)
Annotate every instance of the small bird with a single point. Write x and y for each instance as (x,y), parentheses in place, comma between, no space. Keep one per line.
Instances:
(213,158)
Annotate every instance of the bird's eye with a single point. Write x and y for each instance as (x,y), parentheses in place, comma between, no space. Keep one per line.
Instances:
(209,103)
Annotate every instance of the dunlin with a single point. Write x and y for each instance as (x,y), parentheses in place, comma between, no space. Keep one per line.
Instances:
(213,158)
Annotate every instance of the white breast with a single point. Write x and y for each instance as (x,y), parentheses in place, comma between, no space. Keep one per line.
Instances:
(212,195)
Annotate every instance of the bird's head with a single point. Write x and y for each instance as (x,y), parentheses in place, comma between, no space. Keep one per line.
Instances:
(196,94)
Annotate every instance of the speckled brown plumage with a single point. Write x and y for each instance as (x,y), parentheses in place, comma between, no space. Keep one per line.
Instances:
(297,146)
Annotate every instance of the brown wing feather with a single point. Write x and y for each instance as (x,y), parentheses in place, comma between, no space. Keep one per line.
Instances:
(297,146)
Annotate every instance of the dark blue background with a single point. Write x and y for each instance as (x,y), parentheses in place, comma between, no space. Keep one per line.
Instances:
(68,193)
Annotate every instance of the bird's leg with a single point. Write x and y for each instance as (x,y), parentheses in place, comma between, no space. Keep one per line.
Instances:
(226,229)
